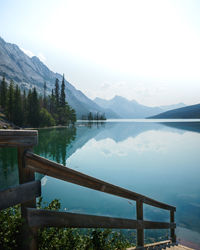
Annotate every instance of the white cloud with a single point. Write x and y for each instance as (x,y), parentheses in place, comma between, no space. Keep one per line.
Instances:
(150,141)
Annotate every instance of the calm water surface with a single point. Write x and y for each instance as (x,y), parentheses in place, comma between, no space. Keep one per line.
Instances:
(160,160)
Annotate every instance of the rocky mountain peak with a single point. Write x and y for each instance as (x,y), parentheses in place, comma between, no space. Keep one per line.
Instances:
(28,72)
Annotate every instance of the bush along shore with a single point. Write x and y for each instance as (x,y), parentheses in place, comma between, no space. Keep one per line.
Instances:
(29,109)
(57,238)
(67,238)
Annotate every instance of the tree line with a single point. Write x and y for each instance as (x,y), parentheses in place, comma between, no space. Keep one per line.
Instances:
(30,109)
(94,116)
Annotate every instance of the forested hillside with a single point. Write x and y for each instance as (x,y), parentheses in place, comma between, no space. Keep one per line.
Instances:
(29,109)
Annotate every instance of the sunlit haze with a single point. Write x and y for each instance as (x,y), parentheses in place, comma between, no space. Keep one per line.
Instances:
(143,50)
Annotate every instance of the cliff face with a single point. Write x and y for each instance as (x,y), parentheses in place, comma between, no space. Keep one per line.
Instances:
(16,65)
(30,72)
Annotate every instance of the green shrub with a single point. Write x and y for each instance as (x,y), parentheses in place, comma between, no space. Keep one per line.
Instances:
(10,228)
(46,119)
(57,238)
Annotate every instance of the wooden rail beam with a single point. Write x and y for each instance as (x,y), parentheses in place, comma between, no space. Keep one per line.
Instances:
(19,194)
(18,138)
(26,175)
(140,232)
(172,230)
(47,218)
(41,165)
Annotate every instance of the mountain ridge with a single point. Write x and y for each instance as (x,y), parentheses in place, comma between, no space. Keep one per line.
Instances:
(30,71)
(188,112)
(131,108)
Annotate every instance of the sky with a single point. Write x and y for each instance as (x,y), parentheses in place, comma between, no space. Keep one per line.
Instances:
(146,50)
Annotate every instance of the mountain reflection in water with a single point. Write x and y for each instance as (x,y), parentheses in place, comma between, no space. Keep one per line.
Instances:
(160,160)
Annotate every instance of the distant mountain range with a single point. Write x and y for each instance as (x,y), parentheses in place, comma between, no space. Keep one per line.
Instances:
(132,109)
(31,72)
(188,112)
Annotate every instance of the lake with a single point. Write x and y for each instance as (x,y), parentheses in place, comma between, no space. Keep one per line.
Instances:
(158,159)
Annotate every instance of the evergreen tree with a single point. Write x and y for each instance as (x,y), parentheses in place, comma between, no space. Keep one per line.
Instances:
(3,93)
(72,115)
(90,116)
(18,114)
(52,107)
(36,109)
(28,110)
(57,95)
(33,111)
(44,96)
(24,108)
(10,104)
(62,95)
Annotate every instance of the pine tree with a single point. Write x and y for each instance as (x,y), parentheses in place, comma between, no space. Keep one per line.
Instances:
(36,109)
(33,109)
(57,95)
(90,116)
(24,108)
(52,103)
(3,93)
(10,104)
(29,107)
(44,96)
(18,114)
(62,95)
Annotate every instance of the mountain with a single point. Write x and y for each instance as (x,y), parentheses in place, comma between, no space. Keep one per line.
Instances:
(173,106)
(128,109)
(132,109)
(29,72)
(188,112)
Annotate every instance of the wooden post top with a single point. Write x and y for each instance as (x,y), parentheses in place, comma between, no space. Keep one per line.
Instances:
(18,138)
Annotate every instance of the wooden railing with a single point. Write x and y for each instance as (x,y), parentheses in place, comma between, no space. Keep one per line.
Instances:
(29,189)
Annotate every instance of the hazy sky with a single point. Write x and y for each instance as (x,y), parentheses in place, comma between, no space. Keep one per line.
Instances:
(147,50)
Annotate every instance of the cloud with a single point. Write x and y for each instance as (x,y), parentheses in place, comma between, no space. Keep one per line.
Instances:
(27,52)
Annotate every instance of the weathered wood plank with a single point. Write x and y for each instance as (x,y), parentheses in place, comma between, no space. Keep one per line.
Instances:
(26,175)
(19,194)
(17,138)
(47,218)
(47,167)
(172,230)
(140,232)
(152,245)
(18,132)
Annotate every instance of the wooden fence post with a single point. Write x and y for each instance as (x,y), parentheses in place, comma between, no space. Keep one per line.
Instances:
(140,232)
(26,175)
(172,230)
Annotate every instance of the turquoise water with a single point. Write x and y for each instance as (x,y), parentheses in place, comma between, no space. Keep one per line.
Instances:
(160,160)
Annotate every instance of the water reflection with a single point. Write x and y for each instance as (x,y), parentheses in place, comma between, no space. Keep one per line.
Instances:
(55,143)
(187,126)
(8,167)
(160,160)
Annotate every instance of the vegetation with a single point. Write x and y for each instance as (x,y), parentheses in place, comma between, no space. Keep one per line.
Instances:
(57,238)
(94,117)
(31,110)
